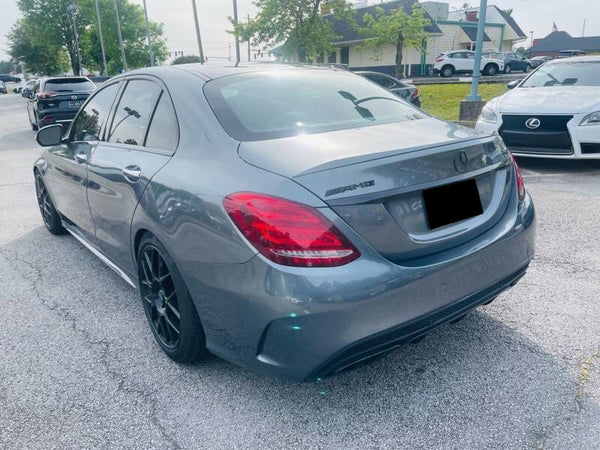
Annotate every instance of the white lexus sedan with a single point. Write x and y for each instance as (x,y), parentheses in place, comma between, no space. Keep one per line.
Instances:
(553,113)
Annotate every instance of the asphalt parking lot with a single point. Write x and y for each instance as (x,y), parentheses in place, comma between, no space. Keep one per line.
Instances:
(79,367)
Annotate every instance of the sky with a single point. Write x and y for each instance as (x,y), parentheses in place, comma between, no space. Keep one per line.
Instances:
(176,15)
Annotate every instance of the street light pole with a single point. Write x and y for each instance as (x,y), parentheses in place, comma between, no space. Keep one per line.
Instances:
(148,35)
(105,69)
(72,8)
(248,41)
(237,39)
(201,53)
(123,59)
(474,96)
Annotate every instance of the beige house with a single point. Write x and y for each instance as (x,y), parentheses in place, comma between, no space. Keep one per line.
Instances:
(449,30)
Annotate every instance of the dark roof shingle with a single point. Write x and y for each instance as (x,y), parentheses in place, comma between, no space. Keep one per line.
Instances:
(511,22)
(346,32)
(471,33)
(561,40)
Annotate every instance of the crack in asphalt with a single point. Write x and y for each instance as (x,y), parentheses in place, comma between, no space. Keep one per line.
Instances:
(576,408)
(144,393)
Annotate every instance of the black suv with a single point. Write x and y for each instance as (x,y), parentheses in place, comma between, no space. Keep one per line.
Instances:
(56,100)
(516,61)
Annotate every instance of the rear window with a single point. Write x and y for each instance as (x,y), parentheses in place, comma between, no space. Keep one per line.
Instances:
(277,104)
(565,74)
(69,85)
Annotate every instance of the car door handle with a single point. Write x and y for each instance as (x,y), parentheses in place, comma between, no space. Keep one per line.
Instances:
(132,173)
(81,157)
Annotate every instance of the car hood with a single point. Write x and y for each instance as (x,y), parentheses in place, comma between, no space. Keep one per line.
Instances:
(549,100)
(300,155)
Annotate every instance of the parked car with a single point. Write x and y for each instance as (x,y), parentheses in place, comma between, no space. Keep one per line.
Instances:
(291,219)
(408,92)
(537,61)
(98,80)
(553,113)
(22,85)
(8,78)
(56,99)
(3,89)
(515,61)
(569,53)
(463,61)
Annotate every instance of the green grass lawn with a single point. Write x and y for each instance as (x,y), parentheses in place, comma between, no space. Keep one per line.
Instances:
(443,100)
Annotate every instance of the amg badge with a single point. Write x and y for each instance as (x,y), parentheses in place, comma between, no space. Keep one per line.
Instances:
(350,187)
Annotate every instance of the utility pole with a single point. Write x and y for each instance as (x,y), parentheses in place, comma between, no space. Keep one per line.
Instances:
(72,8)
(237,39)
(105,69)
(583,30)
(123,59)
(248,41)
(474,96)
(198,32)
(148,35)
(229,48)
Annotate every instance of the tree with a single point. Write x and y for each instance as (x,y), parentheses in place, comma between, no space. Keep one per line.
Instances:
(6,66)
(48,24)
(187,59)
(39,55)
(133,31)
(298,24)
(396,28)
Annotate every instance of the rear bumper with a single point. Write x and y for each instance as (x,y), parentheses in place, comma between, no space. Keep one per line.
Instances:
(50,116)
(300,324)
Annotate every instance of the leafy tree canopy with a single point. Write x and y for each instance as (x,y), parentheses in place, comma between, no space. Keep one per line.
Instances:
(396,28)
(47,25)
(297,24)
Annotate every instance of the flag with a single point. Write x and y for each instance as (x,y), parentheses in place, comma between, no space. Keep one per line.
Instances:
(554,27)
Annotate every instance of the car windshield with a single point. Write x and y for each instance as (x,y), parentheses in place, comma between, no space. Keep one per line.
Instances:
(585,73)
(276,104)
(69,85)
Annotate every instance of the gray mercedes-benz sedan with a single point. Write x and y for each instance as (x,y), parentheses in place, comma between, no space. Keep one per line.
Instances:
(296,220)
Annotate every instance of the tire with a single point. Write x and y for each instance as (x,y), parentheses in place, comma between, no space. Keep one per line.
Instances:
(447,71)
(507,69)
(490,70)
(528,68)
(50,215)
(34,125)
(164,297)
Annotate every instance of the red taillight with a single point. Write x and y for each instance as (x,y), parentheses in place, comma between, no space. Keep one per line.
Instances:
(519,177)
(287,232)
(439,60)
(43,95)
(416,93)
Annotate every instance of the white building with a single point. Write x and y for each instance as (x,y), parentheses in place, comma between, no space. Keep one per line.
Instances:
(449,30)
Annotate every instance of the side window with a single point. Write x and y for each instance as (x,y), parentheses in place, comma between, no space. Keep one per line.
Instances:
(133,112)
(89,122)
(468,55)
(163,132)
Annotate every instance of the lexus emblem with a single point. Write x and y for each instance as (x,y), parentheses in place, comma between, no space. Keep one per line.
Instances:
(532,123)
(460,161)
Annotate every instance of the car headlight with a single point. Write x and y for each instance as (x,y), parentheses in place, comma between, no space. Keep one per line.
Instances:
(487,115)
(591,119)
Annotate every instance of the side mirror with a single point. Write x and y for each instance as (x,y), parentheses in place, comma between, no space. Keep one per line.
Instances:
(50,135)
(513,84)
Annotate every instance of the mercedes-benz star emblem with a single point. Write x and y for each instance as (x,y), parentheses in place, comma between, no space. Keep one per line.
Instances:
(532,123)
(460,161)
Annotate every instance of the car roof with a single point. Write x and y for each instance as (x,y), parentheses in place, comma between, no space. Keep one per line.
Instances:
(586,58)
(213,71)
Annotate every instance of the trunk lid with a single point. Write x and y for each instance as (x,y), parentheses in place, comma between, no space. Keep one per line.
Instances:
(374,178)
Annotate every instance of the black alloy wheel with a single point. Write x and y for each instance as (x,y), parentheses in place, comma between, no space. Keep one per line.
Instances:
(50,216)
(160,297)
(168,305)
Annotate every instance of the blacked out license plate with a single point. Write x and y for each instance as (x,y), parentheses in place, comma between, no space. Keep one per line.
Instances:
(74,104)
(452,203)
